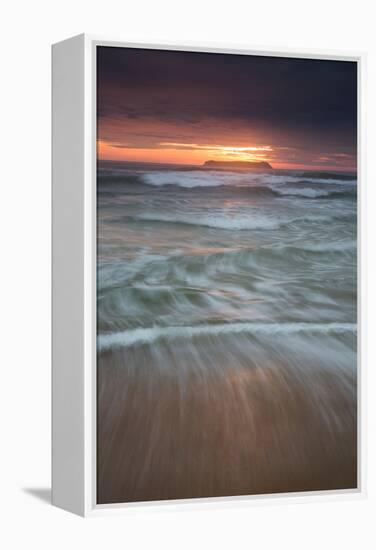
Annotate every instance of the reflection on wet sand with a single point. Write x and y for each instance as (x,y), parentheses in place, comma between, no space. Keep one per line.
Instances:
(244,427)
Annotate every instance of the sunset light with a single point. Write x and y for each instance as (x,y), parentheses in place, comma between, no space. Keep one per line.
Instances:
(226,275)
(184,109)
(185,153)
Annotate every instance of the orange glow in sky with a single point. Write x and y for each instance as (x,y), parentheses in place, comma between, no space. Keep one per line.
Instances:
(182,153)
(171,107)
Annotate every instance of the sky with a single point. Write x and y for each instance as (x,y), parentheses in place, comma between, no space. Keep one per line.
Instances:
(186,108)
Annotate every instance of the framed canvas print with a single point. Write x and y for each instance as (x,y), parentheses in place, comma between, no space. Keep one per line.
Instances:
(206,252)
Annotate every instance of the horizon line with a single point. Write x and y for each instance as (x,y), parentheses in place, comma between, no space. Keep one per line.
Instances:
(190,165)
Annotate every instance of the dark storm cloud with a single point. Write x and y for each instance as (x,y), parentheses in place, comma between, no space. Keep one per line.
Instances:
(190,87)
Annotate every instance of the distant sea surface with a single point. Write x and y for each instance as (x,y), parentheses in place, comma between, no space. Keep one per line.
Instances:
(226,320)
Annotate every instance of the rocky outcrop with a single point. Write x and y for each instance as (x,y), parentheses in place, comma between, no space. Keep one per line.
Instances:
(237,165)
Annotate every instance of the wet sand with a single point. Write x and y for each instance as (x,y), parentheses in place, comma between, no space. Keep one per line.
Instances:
(170,429)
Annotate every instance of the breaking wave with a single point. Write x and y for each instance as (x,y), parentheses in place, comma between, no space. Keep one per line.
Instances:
(311,193)
(260,185)
(212,178)
(217,222)
(150,335)
(234,223)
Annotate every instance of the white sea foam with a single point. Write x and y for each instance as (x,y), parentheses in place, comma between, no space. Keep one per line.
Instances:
(219,222)
(310,192)
(150,335)
(235,223)
(212,178)
(194,178)
(301,192)
(341,246)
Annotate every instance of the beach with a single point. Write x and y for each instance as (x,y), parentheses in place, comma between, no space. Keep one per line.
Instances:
(227,332)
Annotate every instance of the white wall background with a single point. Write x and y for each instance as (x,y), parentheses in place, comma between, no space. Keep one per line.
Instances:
(27,30)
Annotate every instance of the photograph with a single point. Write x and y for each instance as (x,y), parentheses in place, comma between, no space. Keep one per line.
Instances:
(226,281)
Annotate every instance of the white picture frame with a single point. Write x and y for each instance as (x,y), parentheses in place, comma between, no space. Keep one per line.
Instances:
(74,278)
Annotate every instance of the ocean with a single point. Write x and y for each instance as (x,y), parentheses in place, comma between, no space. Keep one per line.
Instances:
(226,322)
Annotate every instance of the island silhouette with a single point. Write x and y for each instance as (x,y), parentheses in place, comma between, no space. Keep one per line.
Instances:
(237,165)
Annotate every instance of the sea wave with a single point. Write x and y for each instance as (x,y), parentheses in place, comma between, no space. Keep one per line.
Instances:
(200,178)
(195,178)
(235,223)
(311,193)
(340,246)
(152,334)
(260,185)
(328,176)
(216,222)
